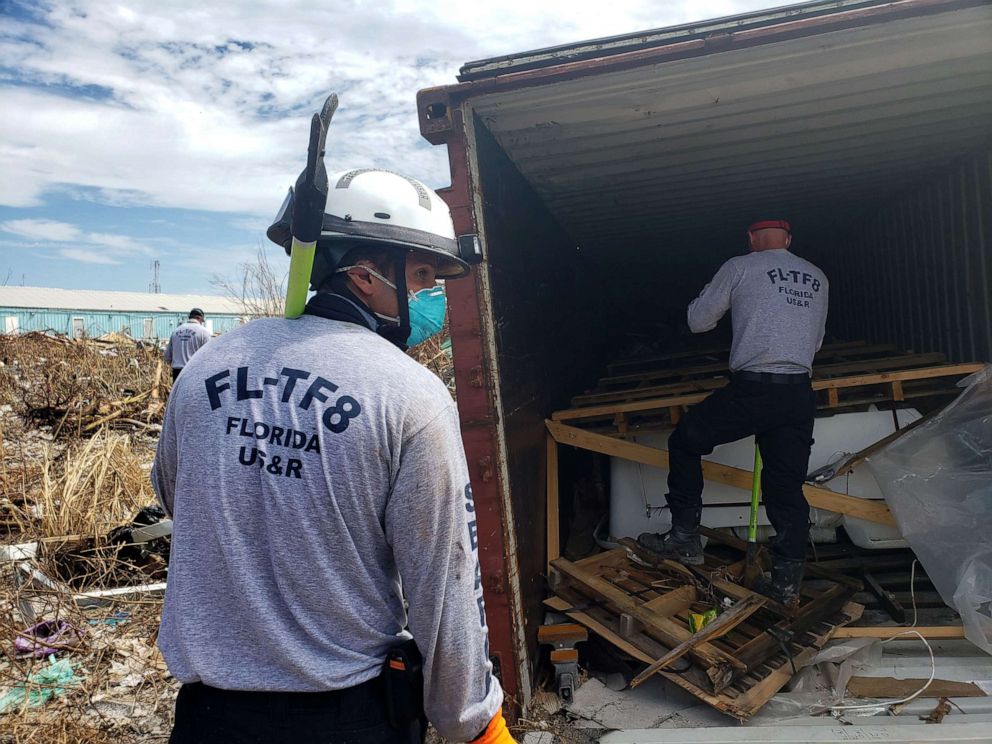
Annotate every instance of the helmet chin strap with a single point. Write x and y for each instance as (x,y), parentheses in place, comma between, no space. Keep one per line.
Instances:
(402,301)
(399,333)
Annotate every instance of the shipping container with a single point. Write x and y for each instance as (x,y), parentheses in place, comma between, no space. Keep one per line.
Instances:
(608,180)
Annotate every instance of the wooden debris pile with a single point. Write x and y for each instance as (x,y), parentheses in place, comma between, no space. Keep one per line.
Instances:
(737,662)
(75,388)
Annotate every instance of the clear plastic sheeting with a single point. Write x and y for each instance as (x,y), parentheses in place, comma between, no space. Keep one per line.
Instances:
(937,480)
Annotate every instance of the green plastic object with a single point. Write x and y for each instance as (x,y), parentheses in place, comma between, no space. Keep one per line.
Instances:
(752,524)
(300,266)
(40,687)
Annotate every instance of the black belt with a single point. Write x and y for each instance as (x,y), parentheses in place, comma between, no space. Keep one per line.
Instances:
(775,378)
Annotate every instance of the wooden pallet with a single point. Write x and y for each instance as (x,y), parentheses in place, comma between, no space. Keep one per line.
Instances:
(653,393)
(644,611)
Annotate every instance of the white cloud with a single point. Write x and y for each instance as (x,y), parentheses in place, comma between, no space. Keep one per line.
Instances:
(47,230)
(206,105)
(87,256)
(89,247)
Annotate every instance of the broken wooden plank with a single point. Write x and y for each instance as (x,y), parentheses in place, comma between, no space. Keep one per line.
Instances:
(726,622)
(756,696)
(553,523)
(668,631)
(819,498)
(890,687)
(827,604)
(881,632)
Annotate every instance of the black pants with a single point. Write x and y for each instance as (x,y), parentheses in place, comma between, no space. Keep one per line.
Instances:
(357,715)
(781,416)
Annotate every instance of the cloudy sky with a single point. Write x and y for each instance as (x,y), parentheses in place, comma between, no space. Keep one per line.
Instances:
(137,131)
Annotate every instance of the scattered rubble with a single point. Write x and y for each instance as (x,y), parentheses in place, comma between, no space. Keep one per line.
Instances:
(80,583)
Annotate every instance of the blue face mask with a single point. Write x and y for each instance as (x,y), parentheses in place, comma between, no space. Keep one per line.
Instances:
(427,308)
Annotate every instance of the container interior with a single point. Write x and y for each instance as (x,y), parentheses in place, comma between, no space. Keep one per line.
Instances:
(609,200)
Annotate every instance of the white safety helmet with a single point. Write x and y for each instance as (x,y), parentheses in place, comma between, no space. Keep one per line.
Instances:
(379,206)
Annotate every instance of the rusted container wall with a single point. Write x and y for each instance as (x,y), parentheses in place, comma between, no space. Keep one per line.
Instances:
(548,334)
(917,272)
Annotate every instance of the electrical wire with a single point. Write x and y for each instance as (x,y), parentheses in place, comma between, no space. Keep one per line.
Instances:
(933,663)
(933,673)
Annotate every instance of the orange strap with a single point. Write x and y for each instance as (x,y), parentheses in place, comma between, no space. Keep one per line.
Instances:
(496,732)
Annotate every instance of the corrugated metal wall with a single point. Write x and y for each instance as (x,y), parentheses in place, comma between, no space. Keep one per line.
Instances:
(99,323)
(918,271)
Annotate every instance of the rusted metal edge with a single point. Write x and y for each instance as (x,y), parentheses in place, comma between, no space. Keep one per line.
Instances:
(479,418)
(435,106)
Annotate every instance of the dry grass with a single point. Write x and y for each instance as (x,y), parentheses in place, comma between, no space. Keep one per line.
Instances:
(85,489)
(435,354)
(76,386)
(93,486)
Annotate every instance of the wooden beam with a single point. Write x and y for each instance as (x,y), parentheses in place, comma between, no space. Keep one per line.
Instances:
(896,611)
(723,624)
(554,537)
(819,498)
(833,398)
(892,361)
(674,601)
(890,687)
(923,373)
(884,632)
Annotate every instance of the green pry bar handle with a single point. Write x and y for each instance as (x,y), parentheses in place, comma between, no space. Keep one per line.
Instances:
(752,524)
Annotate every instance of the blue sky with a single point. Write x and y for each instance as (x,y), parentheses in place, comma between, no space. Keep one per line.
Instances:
(136,131)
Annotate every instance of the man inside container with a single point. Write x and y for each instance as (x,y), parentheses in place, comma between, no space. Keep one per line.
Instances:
(185,341)
(778,304)
(324,582)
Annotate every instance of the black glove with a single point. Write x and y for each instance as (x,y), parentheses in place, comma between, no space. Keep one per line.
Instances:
(310,196)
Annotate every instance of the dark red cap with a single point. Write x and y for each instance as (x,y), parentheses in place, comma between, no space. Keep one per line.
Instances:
(765,224)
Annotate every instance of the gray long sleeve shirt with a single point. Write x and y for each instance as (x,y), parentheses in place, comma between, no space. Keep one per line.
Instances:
(778,304)
(316,477)
(184,342)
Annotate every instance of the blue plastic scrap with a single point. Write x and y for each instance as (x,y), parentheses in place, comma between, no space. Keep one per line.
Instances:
(48,682)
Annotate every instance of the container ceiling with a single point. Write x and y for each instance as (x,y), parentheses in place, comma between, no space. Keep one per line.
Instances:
(818,128)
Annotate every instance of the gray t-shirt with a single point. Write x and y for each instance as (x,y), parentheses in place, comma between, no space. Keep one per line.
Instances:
(184,342)
(778,304)
(311,467)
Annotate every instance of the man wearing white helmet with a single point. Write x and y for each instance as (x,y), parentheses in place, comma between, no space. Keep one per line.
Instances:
(322,509)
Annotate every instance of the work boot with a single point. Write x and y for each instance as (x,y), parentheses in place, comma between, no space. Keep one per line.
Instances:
(786,578)
(678,544)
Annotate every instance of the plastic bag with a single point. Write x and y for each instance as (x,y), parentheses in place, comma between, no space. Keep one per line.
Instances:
(937,480)
(42,686)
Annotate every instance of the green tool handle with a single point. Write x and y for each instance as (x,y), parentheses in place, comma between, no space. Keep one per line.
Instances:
(752,525)
(300,265)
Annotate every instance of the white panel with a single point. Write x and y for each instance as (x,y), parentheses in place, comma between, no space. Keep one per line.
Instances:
(631,484)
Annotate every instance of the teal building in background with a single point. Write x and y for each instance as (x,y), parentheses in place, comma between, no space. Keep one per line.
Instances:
(82,313)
